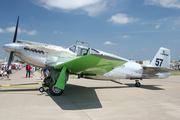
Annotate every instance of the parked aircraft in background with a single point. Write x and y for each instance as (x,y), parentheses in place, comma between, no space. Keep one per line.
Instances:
(86,62)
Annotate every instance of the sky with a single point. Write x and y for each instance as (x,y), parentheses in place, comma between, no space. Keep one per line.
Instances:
(132,29)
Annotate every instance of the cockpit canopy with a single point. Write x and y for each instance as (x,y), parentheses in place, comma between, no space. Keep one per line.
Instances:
(82,48)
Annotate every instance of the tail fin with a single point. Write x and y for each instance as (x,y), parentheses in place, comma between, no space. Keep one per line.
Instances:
(162,58)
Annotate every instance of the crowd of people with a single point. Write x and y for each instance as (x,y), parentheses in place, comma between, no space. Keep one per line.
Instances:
(30,71)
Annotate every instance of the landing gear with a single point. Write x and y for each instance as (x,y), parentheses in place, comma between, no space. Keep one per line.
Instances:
(42,89)
(137,84)
(47,81)
(54,90)
(56,82)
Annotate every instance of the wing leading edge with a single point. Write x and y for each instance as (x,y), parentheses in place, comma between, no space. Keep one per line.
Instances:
(92,64)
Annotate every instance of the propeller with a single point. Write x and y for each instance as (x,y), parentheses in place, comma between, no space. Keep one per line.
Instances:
(11,56)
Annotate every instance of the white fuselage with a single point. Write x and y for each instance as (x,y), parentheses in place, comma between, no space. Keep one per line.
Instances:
(129,70)
(47,56)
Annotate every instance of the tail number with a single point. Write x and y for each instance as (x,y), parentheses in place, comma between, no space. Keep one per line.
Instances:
(158,62)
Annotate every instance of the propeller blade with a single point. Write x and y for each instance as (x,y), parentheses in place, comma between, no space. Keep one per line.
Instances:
(11,57)
(15,34)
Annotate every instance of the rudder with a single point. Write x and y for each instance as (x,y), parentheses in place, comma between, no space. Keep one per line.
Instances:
(162,58)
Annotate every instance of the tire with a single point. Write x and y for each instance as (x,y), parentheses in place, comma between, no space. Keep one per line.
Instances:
(41,89)
(54,90)
(138,84)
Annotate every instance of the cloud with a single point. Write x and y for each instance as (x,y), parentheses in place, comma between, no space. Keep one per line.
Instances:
(120,18)
(67,4)
(109,43)
(33,32)
(164,3)
(1,30)
(55,32)
(96,9)
(93,7)
(157,26)
(176,23)
(12,30)
(125,36)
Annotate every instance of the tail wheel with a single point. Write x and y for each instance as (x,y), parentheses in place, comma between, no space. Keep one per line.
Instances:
(138,84)
(54,90)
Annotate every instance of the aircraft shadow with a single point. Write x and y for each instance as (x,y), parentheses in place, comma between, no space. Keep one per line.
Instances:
(150,87)
(77,98)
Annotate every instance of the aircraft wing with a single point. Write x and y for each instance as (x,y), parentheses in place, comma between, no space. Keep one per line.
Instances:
(92,64)
(154,70)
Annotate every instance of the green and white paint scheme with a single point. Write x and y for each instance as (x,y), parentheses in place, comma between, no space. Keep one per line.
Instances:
(84,61)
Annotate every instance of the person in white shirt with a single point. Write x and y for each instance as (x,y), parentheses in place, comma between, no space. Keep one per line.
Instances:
(8,72)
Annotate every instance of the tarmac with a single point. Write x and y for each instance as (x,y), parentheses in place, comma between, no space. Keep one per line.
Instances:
(89,99)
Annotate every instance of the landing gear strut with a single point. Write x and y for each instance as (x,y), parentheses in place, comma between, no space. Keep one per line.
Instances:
(56,82)
(137,84)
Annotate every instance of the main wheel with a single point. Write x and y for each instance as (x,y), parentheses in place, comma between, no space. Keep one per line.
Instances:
(54,90)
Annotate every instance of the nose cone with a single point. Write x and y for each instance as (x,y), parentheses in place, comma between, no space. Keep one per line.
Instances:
(9,47)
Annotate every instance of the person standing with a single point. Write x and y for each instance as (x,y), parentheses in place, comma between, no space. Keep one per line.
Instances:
(46,73)
(8,72)
(28,70)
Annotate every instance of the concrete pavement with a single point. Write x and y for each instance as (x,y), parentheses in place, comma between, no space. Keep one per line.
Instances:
(91,100)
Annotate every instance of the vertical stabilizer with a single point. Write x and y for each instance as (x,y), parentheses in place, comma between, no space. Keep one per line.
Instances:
(162,58)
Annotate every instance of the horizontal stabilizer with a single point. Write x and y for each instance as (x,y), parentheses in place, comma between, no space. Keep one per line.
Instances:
(154,70)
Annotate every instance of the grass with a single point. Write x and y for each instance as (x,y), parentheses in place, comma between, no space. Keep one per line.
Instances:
(175,72)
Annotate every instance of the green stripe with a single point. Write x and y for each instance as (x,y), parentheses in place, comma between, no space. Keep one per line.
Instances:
(90,64)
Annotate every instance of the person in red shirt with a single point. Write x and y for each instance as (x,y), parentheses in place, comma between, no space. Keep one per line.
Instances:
(28,70)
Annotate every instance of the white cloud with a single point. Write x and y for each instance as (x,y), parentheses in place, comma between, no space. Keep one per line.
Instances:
(12,30)
(33,32)
(157,26)
(93,7)
(55,32)
(67,4)
(96,9)
(1,30)
(109,43)
(125,36)
(164,3)
(176,23)
(120,18)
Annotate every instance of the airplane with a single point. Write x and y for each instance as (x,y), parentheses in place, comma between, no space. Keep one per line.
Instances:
(84,61)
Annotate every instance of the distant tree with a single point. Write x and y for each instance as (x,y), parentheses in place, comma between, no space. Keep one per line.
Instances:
(16,61)
(21,62)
